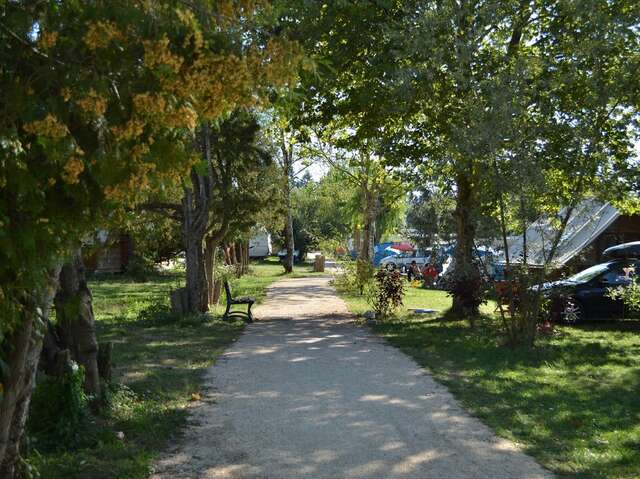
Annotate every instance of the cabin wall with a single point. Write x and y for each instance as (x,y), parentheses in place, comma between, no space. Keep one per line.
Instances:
(623,230)
(112,258)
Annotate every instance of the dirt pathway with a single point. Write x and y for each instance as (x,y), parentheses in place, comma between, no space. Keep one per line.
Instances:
(305,393)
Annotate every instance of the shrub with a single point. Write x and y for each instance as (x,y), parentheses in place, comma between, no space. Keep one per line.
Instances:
(157,313)
(355,276)
(364,274)
(59,408)
(140,269)
(385,295)
(346,279)
(630,296)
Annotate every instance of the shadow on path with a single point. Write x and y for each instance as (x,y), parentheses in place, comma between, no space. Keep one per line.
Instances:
(306,393)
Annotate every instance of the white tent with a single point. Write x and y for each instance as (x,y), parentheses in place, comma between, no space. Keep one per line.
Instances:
(587,221)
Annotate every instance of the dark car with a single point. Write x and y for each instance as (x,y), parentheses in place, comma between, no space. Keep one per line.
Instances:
(585,294)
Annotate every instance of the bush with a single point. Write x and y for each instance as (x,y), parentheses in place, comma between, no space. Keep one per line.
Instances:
(59,408)
(630,296)
(346,279)
(385,295)
(140,269)
(157,313)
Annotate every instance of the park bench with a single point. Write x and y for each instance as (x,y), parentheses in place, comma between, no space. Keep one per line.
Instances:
(239,300)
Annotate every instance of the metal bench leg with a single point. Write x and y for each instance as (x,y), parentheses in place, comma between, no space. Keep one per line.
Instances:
(225,317)
(249,315)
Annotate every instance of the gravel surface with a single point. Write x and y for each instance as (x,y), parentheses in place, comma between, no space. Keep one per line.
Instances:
(305,393)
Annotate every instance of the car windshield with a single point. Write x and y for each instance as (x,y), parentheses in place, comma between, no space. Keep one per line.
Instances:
(589,273)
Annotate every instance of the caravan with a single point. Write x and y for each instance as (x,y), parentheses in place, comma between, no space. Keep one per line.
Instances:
(260,244)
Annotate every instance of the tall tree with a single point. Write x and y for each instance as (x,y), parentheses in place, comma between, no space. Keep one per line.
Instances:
(229,186)
(98,105)
(446,84)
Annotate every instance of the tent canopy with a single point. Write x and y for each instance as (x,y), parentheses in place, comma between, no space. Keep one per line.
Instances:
(588,220)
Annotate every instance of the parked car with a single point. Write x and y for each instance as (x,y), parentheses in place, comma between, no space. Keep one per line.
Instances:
(403,260)
(584,295)
(282,255)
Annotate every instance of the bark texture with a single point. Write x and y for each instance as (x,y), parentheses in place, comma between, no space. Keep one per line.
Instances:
(195,218)
(76,326)
(210,266)
(371,206)
(466,276)
(287,170)
(21,353)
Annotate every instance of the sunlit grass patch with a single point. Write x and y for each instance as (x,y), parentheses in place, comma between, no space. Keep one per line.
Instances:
(571,402)
(159,362)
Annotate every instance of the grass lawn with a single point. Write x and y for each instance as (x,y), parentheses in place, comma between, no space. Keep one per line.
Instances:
(573,402)
(158,363)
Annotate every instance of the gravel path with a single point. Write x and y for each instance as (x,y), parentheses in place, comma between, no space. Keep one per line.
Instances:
(305,393)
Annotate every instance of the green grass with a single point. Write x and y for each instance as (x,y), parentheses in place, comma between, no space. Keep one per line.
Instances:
(572,402)
(159,363)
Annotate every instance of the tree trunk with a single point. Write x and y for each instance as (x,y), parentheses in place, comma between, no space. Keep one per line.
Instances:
(21,352)
(76,323)
(287,167)
(290,246)
(466,276)
(196,276)
(238,251)
(225,252)
(210,264)
(368,232)
(246,259)
(232,254)
(195,216)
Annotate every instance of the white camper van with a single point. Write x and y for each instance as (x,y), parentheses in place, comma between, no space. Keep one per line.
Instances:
(260,244)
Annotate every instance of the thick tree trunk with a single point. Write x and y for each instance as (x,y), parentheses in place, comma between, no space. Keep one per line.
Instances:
(195,216)
(197,301)
(76,323)
(21,352)
(466,276)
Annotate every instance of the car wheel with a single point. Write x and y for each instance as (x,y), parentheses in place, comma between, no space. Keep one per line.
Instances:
(572,312)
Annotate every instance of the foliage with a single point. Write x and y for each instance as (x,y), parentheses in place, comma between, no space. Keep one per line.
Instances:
(325,207)
(364,274)
(430,216)
(354,276)
(155,236)
(346,279)
(482,98)
(140,268)
(59,410)
(469,284)
(243,175)
(99,105)
(527,311)
(223,272)
(629,294)
(385,295)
